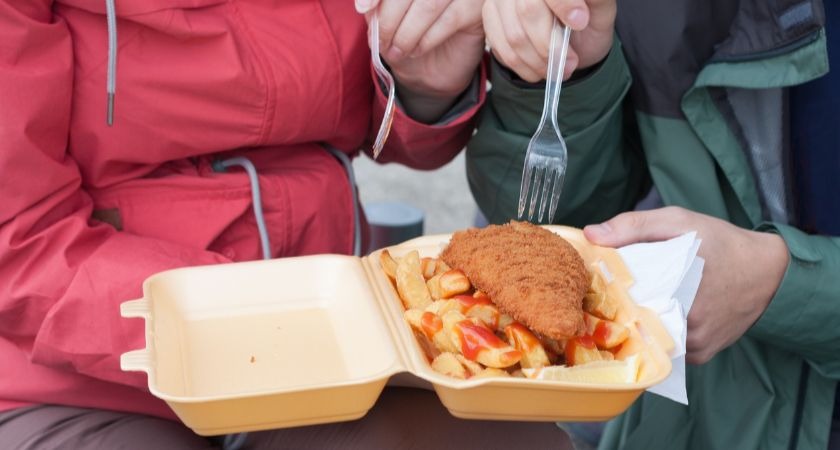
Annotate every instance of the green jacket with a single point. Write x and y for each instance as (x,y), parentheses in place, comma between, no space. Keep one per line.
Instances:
(706,91)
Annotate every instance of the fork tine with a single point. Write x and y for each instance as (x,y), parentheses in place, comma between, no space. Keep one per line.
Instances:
(559,178)
(525,184)
(549,171)
(535,193)
(385,127)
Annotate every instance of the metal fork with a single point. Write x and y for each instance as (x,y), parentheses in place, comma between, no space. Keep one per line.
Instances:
(387,80)
(546,156)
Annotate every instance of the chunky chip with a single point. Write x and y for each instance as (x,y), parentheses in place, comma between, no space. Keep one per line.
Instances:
(428,266)
(479,343)
(453,282)
(388,264)
(448,364)
(597,302)
(433,285)
(522,339)
(431,326)
(606,333)
(410,282)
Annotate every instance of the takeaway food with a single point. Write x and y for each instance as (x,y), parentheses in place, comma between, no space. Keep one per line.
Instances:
(465,332)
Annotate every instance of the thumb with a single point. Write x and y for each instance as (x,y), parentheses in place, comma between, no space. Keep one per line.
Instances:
(364,6)
(639,226)
(574,13)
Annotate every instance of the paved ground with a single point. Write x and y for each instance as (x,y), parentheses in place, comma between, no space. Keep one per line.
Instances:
(442,194)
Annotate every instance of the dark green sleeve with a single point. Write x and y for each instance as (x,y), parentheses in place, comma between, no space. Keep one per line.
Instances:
(605,174)
(804,315)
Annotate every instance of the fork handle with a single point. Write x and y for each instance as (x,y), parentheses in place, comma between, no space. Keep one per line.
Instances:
(556,66)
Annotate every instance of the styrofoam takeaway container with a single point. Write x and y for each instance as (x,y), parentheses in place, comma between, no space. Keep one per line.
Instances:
(314,339)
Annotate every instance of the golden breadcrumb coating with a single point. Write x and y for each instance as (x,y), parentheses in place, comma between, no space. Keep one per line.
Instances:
(530,273)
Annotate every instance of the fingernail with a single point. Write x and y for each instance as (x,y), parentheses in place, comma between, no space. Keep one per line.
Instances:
(363,6)
(575,19)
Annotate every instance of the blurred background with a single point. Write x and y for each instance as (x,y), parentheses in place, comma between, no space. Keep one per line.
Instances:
(442,195)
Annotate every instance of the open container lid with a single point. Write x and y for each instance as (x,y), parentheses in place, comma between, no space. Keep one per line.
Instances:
(314,339)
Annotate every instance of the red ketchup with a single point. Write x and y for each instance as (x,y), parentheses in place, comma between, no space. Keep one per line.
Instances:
(468,301)
(475,338)
(431,324)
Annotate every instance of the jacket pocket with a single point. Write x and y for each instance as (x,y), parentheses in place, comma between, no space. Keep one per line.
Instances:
(190,210)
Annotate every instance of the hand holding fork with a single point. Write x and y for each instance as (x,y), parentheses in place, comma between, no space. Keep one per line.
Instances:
(546,156)
(432,49)
(523,35)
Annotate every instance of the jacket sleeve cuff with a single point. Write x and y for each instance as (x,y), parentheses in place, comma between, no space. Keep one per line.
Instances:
(466,102)
(804,312)
(582,102)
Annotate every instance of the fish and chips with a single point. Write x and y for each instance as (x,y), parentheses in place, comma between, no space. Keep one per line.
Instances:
(512,300)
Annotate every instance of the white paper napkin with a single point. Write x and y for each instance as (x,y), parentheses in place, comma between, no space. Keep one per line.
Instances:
(666,277)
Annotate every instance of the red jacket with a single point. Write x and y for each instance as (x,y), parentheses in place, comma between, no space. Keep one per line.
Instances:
(196,80)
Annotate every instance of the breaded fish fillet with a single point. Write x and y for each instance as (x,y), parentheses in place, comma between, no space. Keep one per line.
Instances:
(529,272)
